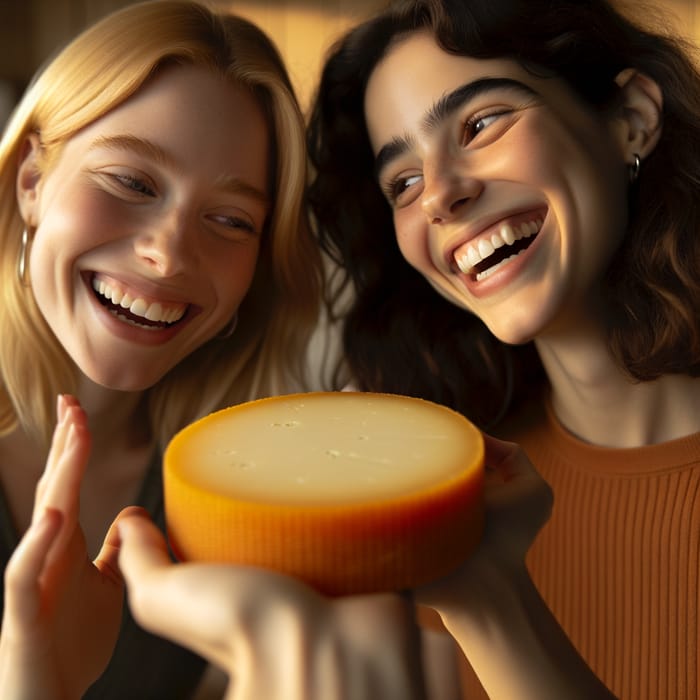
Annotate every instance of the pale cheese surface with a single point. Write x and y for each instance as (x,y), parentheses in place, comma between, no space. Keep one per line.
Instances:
(326,448)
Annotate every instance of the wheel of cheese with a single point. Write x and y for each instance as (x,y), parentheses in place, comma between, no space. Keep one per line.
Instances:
(351,492)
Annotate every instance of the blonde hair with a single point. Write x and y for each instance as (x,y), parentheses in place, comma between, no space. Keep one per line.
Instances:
(97,71)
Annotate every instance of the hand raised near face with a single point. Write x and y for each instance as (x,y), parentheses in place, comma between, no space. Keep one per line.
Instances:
(62,611)
(275,638)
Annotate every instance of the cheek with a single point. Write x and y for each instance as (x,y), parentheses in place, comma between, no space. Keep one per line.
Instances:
(81,221)
(412,240)
(234,274)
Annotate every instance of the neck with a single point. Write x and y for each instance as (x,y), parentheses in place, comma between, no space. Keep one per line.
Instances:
(598,402)
(117,419)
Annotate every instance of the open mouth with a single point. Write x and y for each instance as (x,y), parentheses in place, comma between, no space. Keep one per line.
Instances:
(137,311)
(482,258)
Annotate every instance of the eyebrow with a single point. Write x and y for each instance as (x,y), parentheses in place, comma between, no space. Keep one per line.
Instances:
(442,109)
(235,185)
(152,151)
(128,142)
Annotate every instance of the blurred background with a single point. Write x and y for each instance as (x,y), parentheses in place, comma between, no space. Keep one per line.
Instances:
(32,30)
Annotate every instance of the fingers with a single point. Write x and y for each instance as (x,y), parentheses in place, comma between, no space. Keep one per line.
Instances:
(144,563)
(202,606)
(24,570)
(512,479)
(507,459)
(143,549)
(107,561)
(59,486)
(274,636)
(186,603)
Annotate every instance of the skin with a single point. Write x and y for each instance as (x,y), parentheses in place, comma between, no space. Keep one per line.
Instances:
(508,155)
(164,198)
(169,210)
(176,223)
(62,611)
(241,618)
(514,155)
(367,647)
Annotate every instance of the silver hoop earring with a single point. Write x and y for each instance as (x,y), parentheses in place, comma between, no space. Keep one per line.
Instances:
(228,330)
(22,262)
(635,167)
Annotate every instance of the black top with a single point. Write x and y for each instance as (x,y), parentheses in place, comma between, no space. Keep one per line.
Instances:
(143,666)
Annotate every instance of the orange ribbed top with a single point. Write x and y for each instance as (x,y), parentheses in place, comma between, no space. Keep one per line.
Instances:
(619,561)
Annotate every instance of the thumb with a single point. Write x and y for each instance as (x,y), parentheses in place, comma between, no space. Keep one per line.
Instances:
(108,559)
(143,552)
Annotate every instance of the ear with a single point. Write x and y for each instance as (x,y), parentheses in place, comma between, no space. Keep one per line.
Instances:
(29,179)
(640,120)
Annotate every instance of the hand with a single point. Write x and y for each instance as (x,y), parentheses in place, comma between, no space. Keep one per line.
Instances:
(276,638)
(490,604)
(518,504)
(62,612)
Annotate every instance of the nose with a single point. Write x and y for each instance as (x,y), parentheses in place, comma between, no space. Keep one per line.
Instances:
(166,246)
(446,190)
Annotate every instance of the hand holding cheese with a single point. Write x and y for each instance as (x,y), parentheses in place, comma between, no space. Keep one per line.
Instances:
(276,638)
(351,492)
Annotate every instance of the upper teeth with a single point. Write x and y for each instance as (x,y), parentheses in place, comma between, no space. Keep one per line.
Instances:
(485,247)
(152,311)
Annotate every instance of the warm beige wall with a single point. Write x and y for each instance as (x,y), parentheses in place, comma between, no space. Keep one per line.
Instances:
(30,30)
(303,31)
(686,16)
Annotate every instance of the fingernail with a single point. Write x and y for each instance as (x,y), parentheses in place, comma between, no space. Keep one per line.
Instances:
(60,407)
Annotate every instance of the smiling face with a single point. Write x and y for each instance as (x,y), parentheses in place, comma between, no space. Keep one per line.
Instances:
(148,226)
(508,194)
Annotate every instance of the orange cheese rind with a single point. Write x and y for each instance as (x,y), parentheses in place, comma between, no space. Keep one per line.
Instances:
(339,545)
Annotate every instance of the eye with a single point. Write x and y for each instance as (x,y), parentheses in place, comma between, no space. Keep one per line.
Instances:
(230,225)
(397,189)
(134,184)
(478,123)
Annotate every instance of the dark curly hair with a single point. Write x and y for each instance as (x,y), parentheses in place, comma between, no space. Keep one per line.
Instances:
(399,335)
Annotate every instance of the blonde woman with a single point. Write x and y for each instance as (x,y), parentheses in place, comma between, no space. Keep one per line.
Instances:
(156,264)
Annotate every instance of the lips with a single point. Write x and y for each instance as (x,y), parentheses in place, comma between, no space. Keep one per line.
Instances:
(484,255)
(137,310)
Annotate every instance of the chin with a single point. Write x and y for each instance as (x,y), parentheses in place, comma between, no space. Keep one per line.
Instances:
(124,381)
(512,334)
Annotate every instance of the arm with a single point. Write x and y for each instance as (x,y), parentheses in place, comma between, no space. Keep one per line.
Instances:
(491,605)
(274,637)
(62,612)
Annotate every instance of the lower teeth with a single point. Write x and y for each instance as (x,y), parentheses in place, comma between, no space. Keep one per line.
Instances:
(131,321)
(487,273)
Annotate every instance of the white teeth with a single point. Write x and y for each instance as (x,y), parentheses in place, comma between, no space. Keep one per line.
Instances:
(487,273)
(484,248)
(473,256)
(507,234)
(138,307)
(154,312)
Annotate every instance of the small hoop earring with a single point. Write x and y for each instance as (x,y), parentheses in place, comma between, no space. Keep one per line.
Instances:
(228,330)
(635,167)
(22,262)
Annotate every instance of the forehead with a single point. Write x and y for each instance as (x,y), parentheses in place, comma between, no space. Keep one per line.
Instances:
(414,75)
(192,114)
